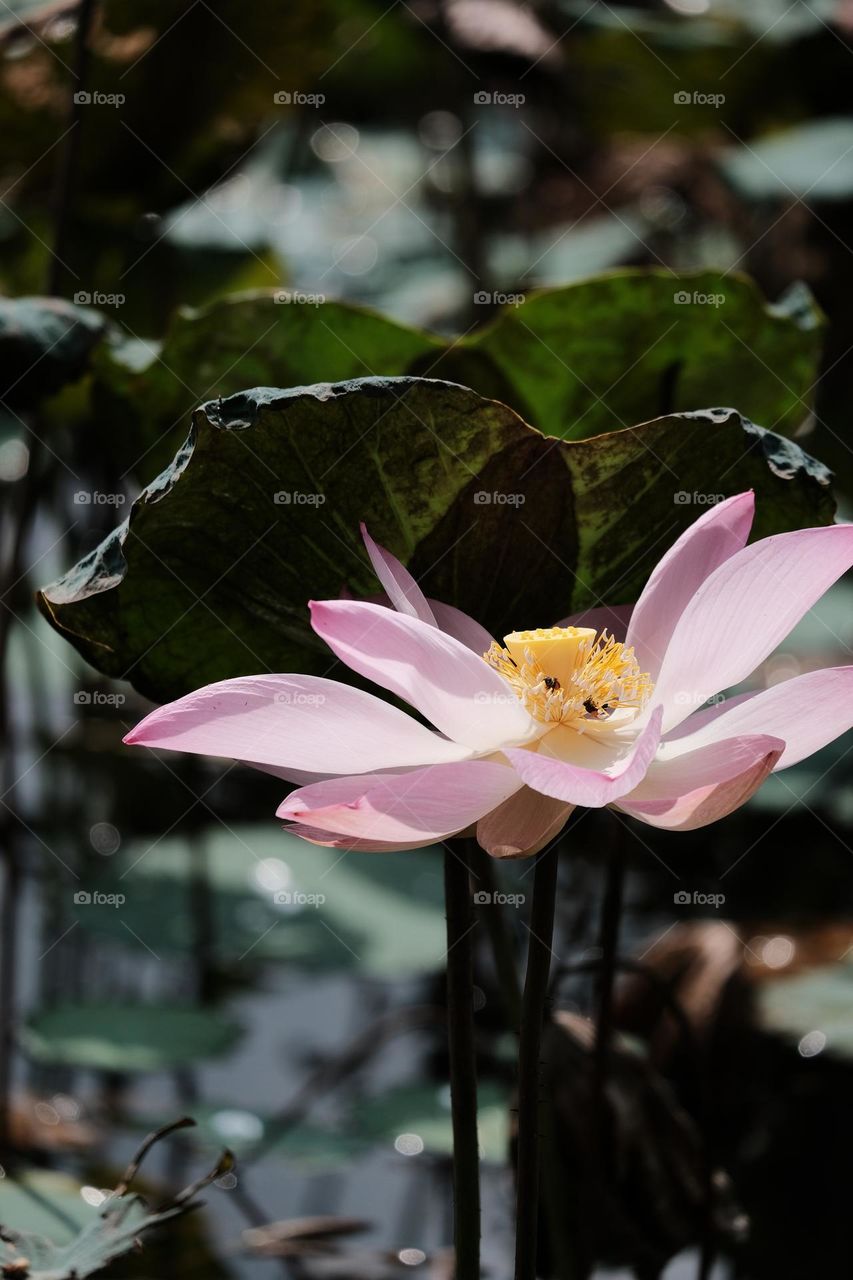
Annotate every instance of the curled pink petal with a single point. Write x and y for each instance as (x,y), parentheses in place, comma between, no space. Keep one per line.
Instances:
(449,684)
(464,629)
(668,778)
(703,547)
(704,805)
(807,711)
(420,805)
(351,843)
(291,723)
(402,590)
(744,610)
(590,787)
(522,825)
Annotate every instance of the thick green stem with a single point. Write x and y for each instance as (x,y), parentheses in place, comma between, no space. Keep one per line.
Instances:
(463,1064)
(530,1041)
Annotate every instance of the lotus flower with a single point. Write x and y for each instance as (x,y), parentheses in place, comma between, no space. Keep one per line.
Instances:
(600,709)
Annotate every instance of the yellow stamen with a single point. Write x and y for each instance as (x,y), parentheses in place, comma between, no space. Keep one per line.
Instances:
(568,675)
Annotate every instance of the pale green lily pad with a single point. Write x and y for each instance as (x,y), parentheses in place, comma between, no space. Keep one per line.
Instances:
(813,1009)
(380,916)
(125,1037)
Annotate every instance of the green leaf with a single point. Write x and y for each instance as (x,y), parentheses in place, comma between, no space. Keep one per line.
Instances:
(125,1037)
(44,344)
(83,1238)
(589,357)
(608,352)
(210,575)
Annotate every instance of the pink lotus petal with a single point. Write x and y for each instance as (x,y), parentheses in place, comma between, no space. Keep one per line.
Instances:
(705,715)
(590,787)
(293,722)
(705,805)
(449,684)
(703,547)
(403,592)
(421,805)
(744,610)
(522,825)
(464,629)
(352,843)
(705,766)
(614,619)
(807,711)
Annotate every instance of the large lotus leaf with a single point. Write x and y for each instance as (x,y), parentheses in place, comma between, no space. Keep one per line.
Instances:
(573,361)
(111,1037)
(210,575)
(607,352)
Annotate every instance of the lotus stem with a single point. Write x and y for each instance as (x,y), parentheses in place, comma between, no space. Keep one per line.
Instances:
(463,1064)
(529,1084)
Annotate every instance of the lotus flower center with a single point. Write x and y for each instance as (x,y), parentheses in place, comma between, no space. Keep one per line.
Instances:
(572,675)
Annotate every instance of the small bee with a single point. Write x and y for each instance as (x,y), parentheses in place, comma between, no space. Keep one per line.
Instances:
(551,682)
(590,708)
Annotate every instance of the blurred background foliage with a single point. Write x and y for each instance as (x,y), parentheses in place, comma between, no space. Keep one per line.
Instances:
(283,195)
